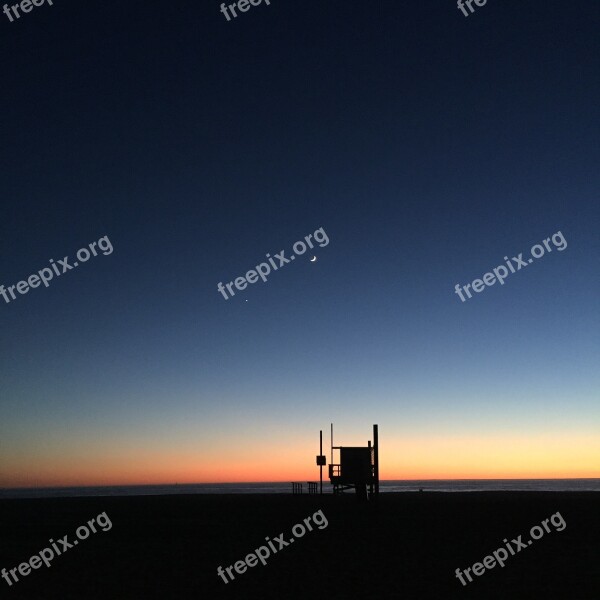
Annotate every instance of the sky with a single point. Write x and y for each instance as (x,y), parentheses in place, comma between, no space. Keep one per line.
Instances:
(427,146)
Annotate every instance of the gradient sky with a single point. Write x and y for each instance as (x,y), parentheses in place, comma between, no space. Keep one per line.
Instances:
(426,144)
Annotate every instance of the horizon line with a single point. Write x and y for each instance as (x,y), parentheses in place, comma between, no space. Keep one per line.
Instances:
(66,487)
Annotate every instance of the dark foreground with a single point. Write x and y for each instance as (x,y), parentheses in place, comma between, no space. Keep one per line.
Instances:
(408,546)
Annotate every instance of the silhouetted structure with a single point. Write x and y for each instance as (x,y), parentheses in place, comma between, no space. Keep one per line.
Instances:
(357,469)
(298,489)
(321,460)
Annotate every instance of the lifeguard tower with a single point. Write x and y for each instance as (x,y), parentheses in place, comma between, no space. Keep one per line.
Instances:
(358,467)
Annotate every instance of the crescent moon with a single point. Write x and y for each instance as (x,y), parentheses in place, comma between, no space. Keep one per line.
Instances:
(313,259)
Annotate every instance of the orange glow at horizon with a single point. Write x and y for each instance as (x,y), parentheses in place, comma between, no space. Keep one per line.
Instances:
(464,457)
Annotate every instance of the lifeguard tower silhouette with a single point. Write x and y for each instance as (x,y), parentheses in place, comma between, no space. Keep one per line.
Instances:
(358,467)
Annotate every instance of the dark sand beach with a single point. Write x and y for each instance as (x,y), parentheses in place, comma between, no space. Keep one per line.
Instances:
(406,546)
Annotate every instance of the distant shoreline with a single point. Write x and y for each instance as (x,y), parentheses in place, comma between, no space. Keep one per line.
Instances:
(283,488)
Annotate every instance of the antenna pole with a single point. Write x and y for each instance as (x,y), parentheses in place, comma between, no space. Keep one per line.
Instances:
(376,457)
(332,443)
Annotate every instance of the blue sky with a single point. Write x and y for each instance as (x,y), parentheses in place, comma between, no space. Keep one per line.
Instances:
(427,145)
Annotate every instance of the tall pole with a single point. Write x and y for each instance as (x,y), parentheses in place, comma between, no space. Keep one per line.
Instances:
(321,454)
(376,439)
(331,443)
(372,472)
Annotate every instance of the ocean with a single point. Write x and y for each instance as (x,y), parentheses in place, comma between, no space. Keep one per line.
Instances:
(429,485)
